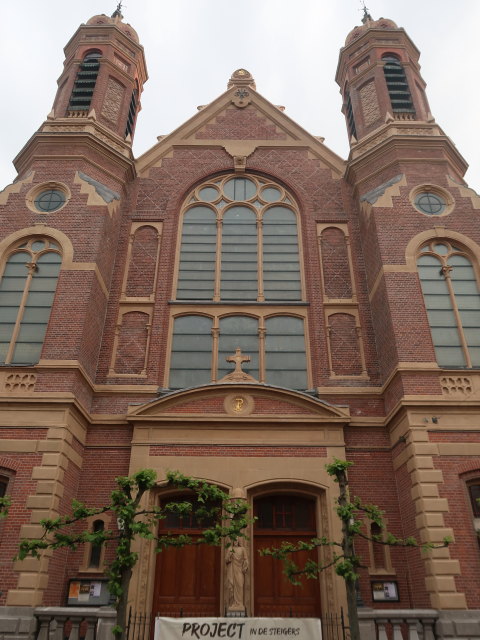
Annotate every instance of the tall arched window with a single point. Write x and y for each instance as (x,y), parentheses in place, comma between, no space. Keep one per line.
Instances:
(27,289)
(276,346)
(85,81)
(452,298)
(397,84)
(239,243)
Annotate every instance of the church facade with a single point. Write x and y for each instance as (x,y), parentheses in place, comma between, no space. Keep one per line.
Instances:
(243,305)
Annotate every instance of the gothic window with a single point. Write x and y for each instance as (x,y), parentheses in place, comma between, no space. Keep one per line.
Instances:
(239,243)
(276,346)
(85,81)
(397,84)
(27,289)
(452,299)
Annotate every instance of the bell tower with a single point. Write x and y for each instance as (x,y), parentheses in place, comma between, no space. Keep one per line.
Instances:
(104,73)
(379,78)
(98,95)
(385,105)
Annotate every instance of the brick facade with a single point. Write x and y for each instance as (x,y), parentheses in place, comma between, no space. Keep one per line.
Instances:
(97,403)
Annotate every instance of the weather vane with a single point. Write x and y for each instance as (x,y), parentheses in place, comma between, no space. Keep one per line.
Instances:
(118,11)
(366,12)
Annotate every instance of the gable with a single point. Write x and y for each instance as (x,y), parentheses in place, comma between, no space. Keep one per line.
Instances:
(240,121)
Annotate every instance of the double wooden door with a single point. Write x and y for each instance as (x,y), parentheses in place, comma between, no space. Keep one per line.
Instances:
(188,579)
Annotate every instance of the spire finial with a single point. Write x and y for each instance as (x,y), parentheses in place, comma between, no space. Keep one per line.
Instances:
(366,14)
(118,11)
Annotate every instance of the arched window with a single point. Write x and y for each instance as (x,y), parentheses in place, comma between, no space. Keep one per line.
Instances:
(85,81)
(276,346)
(397,84)
(452,299)
(239,243)
(27,289)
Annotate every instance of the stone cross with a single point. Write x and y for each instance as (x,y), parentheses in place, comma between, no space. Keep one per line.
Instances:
(237,375)
(238,359)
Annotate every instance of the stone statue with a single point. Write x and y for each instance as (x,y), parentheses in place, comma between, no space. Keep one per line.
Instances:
(237,566)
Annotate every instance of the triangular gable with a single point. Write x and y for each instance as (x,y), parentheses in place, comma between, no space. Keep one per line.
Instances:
(252,402)
(240,129)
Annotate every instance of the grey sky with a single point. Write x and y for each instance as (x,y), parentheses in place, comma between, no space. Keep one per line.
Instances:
(192,46)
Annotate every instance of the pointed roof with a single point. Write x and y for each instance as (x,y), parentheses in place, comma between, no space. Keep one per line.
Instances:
(240,120)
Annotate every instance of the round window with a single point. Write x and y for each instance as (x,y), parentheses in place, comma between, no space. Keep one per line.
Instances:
(429,203)
(49,200)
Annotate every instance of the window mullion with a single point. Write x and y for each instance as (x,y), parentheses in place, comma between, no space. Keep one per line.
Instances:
(32,267)
(215,335)
(218,261)
(261,290)
(446,272)
(261,349)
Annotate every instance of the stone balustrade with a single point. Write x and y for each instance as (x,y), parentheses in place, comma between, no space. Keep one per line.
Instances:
(75,623)
(397,624)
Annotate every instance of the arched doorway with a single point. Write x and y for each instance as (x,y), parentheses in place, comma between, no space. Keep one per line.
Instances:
(187,579)
(289,518)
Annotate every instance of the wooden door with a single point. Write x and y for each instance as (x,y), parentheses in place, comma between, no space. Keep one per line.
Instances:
(281,518)
(187,580)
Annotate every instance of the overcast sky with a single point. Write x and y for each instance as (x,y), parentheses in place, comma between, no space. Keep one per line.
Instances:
(192,46)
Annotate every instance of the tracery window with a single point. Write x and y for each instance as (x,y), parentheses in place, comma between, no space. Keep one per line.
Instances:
(276,346)
(239,255)
(27,289)
(397,84)
(239,243)
(452,299)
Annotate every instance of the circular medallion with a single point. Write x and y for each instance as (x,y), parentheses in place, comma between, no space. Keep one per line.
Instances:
(238,404)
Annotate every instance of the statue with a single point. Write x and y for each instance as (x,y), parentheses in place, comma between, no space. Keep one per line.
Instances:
(237,566)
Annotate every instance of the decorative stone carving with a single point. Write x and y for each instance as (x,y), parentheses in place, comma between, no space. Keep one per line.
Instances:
(237,567)
(456,386)
(373,195)
(238,404)
(241,97)
(113,100)
(20,382)
(370,108)
(104,192)
(238,375)
(239,163)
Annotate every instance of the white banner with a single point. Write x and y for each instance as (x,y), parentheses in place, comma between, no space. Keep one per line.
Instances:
(237,628)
